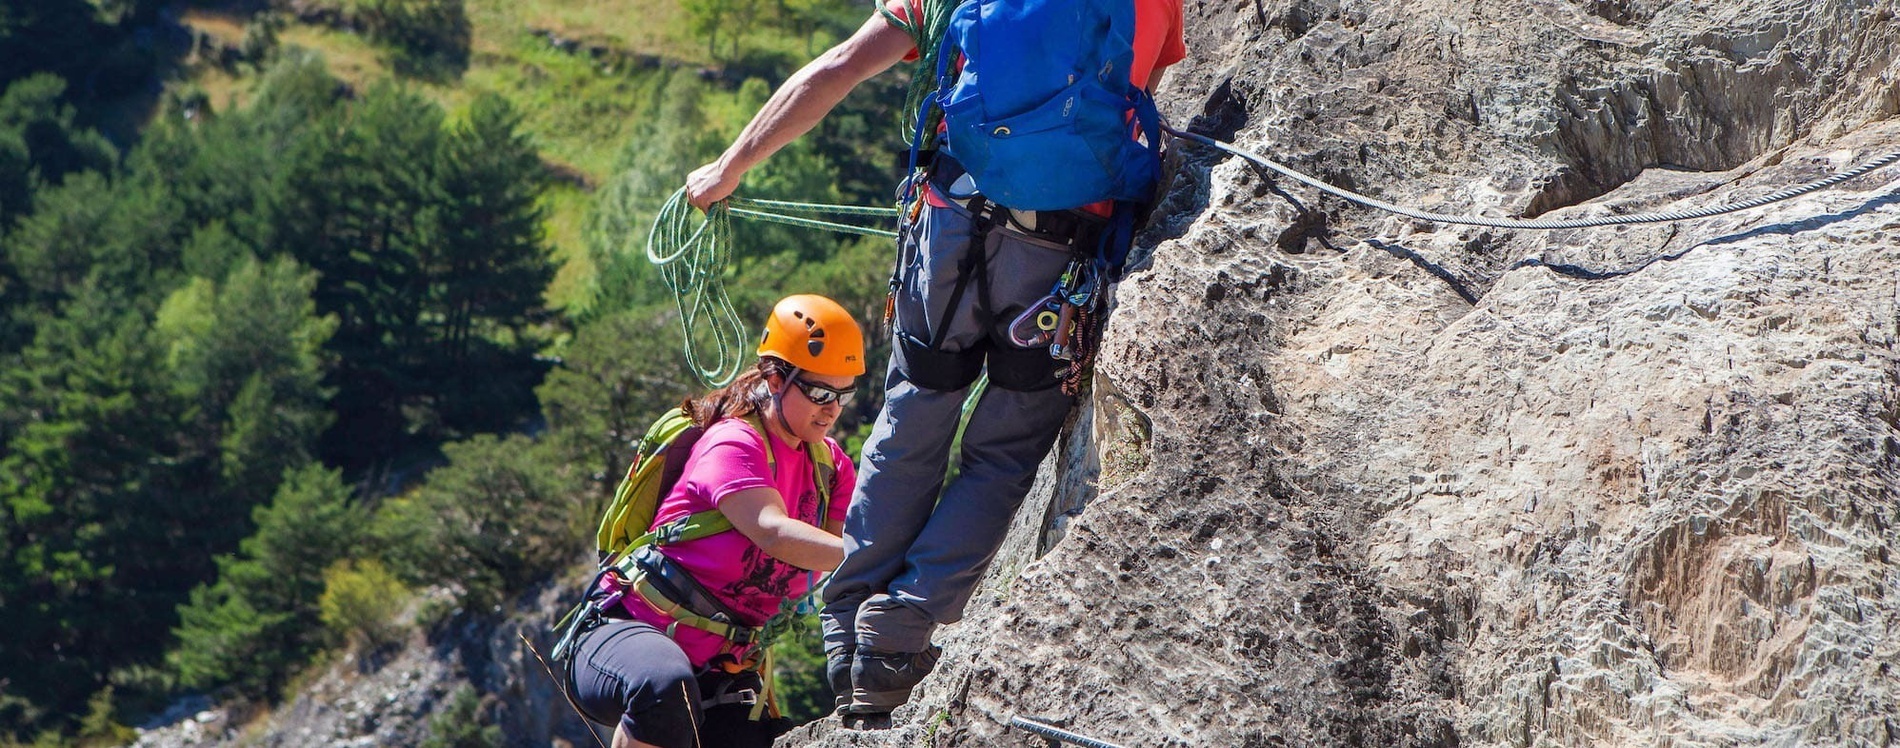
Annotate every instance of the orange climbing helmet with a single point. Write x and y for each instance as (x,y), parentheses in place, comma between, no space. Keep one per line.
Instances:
(814,334)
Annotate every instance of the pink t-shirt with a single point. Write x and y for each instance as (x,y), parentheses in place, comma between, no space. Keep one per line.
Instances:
(730,458)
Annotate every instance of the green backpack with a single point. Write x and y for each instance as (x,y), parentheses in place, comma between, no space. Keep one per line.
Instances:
(658,462)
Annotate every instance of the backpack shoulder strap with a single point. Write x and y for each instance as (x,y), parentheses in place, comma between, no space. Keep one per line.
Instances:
(823,472)
(765,443)
(690,527)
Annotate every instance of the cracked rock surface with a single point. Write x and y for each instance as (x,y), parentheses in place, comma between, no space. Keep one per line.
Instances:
(1365,480)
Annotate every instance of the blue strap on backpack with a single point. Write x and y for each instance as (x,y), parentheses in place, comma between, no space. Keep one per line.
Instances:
(1039,113)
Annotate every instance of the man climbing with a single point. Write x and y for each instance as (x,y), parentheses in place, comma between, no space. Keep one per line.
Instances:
(977,258)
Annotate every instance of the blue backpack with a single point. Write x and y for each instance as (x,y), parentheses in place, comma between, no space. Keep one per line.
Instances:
(1039,114)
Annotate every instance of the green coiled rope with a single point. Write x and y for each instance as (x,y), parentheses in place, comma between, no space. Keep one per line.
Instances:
(757,209)
(693,253)
(927,33)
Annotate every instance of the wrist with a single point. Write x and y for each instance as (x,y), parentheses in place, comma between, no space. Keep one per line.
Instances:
(731,170)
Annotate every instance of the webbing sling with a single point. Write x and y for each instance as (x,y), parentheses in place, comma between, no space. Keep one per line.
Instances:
(972,263)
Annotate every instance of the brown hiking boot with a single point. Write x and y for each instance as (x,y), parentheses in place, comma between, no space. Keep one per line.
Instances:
(882,681)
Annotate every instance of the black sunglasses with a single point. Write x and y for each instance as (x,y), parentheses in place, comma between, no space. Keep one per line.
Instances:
(821,395)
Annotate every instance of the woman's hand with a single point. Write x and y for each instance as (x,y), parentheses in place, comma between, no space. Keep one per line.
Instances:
(759,514)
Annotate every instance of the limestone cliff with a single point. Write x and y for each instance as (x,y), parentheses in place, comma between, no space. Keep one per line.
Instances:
(1367,481)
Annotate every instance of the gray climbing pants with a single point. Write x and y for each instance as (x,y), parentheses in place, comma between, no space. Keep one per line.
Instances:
(914,547)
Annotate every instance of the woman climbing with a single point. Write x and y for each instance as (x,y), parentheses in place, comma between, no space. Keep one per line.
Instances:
(673,662)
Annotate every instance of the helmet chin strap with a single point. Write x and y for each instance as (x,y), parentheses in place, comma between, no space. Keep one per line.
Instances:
(778,408)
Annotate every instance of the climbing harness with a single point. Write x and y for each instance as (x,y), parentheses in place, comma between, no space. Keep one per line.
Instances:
(1571,223)
(1057,736)
(692,255)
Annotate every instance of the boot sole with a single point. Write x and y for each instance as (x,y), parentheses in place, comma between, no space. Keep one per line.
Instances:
(876,702)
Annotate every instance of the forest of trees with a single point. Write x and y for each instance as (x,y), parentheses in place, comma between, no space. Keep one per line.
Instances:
(268,370)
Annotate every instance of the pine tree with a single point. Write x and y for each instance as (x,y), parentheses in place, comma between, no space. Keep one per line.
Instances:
(259,620)
(248,354)
(92,525)
(134,451)
(358,203)
(120,238)
(35,108)
(496,518)
(218,172)
(60,36)
(615,377)
(488,270)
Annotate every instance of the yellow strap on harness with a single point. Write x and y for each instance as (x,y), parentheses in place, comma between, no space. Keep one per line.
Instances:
(734,634)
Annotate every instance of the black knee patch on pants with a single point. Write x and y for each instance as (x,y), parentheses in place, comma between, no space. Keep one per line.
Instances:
(1023,369)
(933,369)
(630,675)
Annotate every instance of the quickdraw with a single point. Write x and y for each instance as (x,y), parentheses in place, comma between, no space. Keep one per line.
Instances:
(1087,337)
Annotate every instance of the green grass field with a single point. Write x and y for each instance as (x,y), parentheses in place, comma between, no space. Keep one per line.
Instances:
(580,99)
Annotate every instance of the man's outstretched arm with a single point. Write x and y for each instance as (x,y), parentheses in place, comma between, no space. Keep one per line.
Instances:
(796,107)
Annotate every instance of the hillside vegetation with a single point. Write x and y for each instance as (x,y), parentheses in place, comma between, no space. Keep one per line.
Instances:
(317,314)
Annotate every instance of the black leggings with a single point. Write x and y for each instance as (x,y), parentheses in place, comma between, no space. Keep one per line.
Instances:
(630,674)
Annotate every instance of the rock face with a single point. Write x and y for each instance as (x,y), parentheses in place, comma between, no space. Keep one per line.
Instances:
(1371,481)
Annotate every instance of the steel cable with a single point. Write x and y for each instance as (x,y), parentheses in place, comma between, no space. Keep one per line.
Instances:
(1571,223)
(1055,733)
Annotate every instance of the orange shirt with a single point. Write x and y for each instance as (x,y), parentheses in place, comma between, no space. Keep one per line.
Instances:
(1158,43)
(1158,30)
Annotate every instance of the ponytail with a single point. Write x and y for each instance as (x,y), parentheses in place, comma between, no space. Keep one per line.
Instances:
(746,395)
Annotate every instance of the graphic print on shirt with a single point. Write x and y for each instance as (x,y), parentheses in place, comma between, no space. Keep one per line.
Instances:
(768,576)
